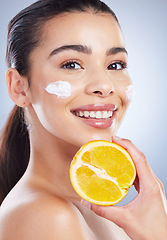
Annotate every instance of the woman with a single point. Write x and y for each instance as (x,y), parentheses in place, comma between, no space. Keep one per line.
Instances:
(68,78)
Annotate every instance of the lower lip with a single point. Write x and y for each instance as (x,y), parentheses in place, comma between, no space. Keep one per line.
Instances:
(98,123)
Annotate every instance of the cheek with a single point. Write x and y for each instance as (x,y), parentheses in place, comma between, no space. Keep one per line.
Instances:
(49,112)
(60,89)
(124,92)
(130,92)
(50,104)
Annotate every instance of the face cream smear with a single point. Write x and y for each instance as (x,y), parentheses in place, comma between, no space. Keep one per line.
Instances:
(60,88)
(130,92)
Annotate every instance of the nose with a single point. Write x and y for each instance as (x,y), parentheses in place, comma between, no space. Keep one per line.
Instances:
(101,86)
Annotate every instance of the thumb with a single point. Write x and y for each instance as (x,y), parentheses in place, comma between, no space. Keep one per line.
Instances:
(113,213)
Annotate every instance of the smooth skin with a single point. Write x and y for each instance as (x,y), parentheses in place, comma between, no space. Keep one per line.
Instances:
(43,205)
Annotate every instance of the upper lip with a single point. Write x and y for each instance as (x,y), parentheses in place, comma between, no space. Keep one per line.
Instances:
(96,107)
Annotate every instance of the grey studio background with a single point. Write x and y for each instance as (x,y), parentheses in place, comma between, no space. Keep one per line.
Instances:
(144,24)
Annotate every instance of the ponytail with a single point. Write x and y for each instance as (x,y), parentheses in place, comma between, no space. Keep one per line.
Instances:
(14,151)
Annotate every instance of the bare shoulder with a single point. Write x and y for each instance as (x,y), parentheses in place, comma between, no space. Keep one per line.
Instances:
(45,218)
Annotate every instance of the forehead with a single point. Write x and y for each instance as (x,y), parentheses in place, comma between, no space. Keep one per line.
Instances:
(85,27)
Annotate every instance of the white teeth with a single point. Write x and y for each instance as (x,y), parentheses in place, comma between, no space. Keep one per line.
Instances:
(86,114)
(95,114)
(98,114)
(110,113)
(81,114)
(105,114)
(92,114)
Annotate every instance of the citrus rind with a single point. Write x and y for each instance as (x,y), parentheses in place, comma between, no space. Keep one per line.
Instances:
(89,174)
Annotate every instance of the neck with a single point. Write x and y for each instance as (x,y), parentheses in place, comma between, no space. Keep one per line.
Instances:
(50,164)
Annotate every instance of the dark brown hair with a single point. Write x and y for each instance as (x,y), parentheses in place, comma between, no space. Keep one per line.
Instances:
(24,32)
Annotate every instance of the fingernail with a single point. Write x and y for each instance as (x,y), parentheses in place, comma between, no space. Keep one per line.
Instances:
(86,204)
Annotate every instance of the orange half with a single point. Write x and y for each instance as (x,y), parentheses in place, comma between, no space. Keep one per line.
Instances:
(101,172)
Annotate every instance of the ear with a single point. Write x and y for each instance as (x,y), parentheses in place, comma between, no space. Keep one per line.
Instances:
(17,87)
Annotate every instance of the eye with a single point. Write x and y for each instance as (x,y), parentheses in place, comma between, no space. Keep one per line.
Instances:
(117,66)
(71,65)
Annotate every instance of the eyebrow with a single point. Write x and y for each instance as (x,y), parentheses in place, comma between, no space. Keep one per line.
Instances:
(86,50)
(78,48)
(116,50)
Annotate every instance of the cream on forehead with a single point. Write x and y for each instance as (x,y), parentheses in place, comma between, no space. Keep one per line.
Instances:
(60,88)
(130,92)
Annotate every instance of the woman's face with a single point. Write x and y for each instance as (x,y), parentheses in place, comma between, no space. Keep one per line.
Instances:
(85,53)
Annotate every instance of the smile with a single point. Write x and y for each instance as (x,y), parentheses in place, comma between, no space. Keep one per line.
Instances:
(96,115)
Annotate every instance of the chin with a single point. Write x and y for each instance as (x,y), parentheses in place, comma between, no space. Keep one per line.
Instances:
(97,135)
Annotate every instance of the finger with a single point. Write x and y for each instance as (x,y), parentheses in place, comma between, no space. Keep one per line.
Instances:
(144,171)
(160,185)
(112,213)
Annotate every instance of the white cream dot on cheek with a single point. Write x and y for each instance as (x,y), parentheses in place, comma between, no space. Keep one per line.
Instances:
(60,88)
(130,92)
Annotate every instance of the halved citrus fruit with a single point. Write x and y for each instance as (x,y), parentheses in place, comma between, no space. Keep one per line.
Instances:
(101,172)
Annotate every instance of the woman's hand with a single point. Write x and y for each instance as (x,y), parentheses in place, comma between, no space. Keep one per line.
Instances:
(145,218)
